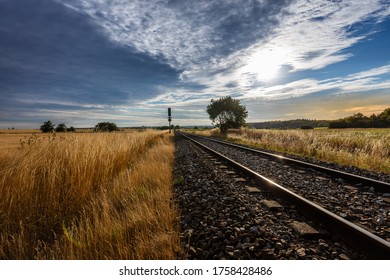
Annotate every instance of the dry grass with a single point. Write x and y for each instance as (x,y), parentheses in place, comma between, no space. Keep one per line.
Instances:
(88,196)
(363,148)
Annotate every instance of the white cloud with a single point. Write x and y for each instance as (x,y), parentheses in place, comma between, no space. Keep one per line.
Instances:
(311,34)
(370,73)
(156,28)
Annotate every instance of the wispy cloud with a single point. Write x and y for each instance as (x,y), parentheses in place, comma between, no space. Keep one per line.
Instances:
(373,79)
(200,35)
(383,70)
(187,35)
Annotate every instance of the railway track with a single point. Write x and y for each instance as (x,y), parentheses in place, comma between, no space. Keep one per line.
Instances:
(378,185)
(349,225)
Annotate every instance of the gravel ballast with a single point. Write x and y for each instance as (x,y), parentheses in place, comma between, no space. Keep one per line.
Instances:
(224,216)
(359,204)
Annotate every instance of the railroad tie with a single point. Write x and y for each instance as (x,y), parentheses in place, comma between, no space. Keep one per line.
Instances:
(304,230)
(271,205)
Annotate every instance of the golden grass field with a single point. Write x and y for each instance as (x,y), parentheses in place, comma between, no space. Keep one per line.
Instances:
(87,196)
(363,148)
(109,195)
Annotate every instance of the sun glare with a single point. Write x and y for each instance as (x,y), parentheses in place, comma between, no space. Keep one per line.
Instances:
(265,64)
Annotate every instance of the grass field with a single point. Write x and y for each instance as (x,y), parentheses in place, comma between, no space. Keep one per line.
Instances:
(363,148)
(87,196)
(10,139)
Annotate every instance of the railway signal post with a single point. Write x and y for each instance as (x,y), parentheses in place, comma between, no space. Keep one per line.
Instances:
(169,119)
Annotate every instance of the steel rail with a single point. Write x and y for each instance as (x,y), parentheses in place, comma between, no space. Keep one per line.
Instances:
(379,186)
(370,244)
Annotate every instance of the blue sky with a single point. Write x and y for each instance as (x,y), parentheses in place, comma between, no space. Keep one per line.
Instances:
(81,62)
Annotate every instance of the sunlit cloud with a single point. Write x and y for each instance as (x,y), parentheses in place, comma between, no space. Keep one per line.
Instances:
(265,63)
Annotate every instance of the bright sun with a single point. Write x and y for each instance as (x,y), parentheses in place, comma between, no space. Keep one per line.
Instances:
(265,63)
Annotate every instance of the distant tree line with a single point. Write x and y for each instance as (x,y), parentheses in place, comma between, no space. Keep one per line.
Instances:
(360,121)
(355,121)
(50,127)
(100,127)
(291,124)
(165,127)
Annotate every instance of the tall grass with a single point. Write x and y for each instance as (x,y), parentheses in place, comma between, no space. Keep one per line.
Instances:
(363,148)
(88,196)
